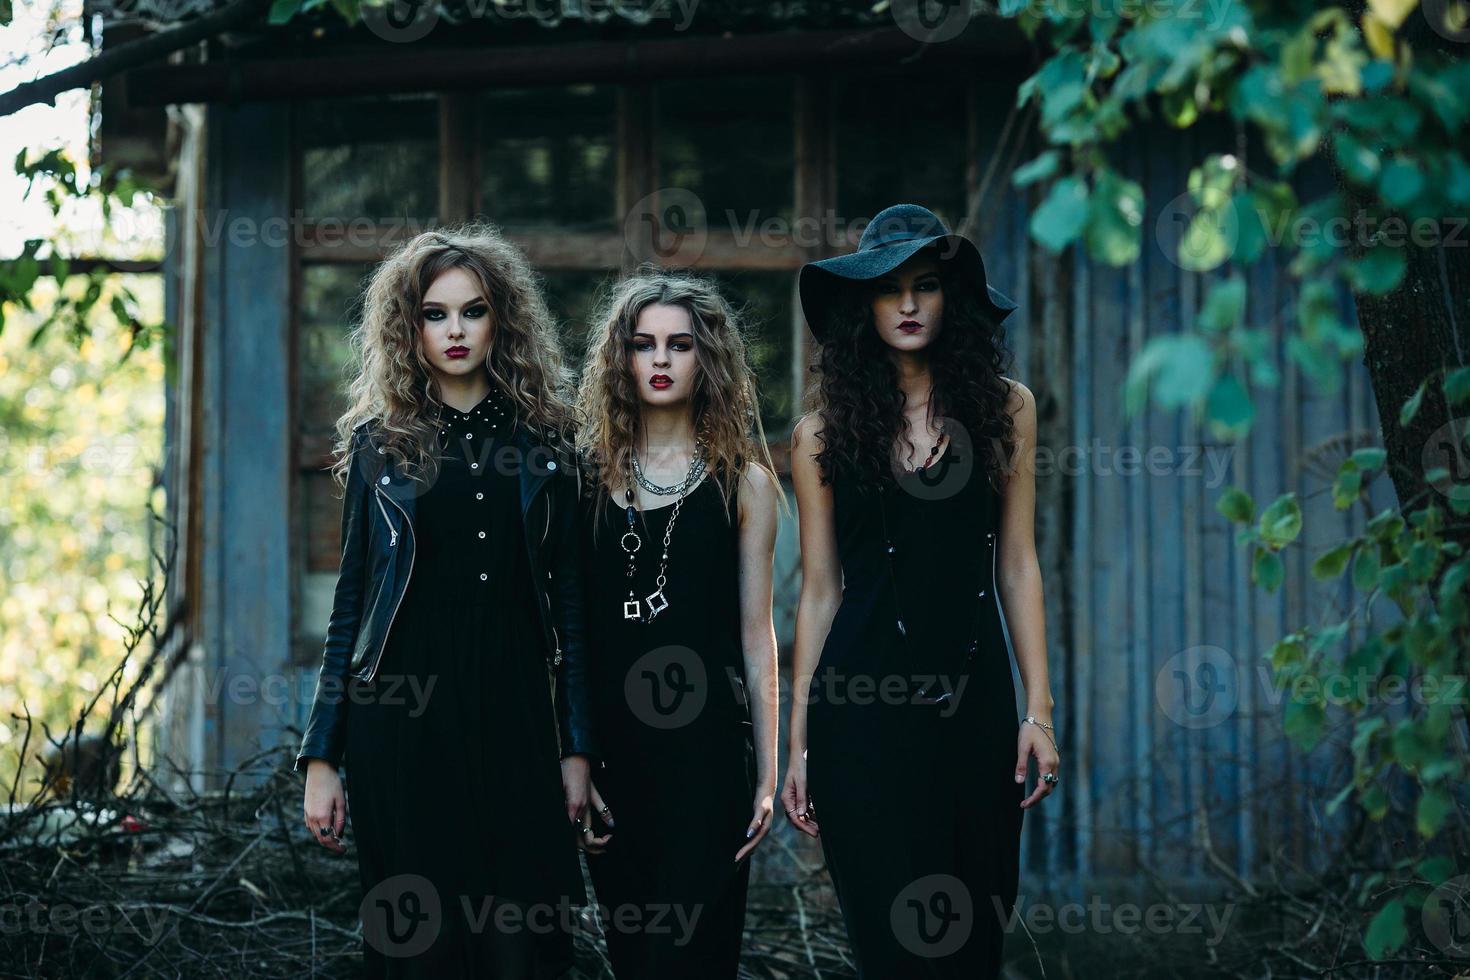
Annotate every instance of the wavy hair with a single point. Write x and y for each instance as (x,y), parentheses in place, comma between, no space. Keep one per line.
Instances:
(394,381)
(725,403)
(860,404)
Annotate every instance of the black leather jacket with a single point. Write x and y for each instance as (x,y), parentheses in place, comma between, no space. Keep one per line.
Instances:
(377,559)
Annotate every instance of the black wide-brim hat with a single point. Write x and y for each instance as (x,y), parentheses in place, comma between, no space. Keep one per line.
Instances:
(888,241)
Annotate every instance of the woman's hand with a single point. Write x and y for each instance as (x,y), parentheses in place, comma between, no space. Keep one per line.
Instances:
(760,821)
(576,785)
(588,842)
(1033,740)
(794,801)
(325,806)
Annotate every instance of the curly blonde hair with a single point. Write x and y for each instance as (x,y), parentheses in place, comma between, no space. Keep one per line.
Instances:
(395,383)
(725,402)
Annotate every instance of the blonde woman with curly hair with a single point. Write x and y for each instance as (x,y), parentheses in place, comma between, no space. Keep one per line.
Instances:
(678,536)
(453,684)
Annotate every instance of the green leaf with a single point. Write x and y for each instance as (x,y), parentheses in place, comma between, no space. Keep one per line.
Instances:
(1434,806)
(1209,240)
(1229,405)
(1365,569)
(1378,272)
(1411,407)
(1281,522)
(1387,932)
(1224,304)
(1348,486)
(1330,564)
(1359,163)
(1267,570)
(1374,802)
(1436,870)
(1038,169)
(1457,385)
(1060,218)
(1236,505)
(1392,12)
(1369,457)
(1114,220)
(1304,722)
(1401,183)
(1250,227)
(283,10)
(1185,370)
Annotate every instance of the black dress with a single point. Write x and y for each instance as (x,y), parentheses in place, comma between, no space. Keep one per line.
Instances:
(911,740)
(678,767)
(452,767)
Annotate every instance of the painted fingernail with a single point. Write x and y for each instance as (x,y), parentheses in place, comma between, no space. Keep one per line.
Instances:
(749,833)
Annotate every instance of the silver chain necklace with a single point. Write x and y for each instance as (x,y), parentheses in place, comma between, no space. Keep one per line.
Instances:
(657,601)
(696,470)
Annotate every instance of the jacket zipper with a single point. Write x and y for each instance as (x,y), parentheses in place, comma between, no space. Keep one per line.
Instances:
(392,541)
(373,671)
(553,664)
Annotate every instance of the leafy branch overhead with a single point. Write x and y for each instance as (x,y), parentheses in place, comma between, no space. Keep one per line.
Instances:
(1313,86)
(1379,98)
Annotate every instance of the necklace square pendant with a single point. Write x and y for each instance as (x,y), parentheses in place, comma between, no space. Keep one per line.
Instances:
(632,610)
(657,603)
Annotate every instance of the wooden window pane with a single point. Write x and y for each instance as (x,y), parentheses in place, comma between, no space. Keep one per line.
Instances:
(730,141)
(371,158)
(549,158)
(329,305)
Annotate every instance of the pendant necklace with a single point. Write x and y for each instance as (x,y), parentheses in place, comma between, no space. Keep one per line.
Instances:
(631,542)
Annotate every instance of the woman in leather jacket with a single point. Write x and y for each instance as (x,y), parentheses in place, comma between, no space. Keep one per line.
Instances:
(453,680)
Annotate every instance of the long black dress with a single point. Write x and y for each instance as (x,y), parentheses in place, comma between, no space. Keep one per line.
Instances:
(453,772)
(678,767)
(914,790)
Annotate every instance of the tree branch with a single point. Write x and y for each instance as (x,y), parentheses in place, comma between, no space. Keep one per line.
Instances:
(131,55)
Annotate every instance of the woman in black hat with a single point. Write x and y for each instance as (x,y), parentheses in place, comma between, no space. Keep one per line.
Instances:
(906,757)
